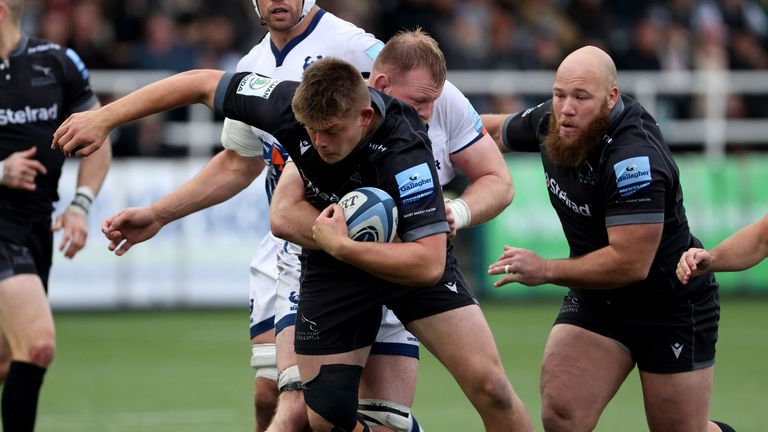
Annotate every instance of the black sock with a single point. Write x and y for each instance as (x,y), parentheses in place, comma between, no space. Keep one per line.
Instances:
(20,395)
(724,427)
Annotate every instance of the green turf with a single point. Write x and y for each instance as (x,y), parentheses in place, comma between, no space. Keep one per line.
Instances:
(188,371)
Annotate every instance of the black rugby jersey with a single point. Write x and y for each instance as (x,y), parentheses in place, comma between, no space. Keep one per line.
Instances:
(40,85)
(630,179)
(396,157)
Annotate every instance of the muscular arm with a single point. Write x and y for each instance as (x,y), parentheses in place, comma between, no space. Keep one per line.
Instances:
(627,259)
(420,262)
(87,131)
(490,190)
(493,123)
(223,177)
(291,216)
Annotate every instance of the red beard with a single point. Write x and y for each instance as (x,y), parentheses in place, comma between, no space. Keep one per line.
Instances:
(574,153)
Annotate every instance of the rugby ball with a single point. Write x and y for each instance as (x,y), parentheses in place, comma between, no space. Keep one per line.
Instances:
(371,215)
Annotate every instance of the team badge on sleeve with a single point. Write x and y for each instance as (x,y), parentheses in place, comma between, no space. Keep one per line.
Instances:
(632,175)
(374,50)
(257,85)
(415,183)
(477,123)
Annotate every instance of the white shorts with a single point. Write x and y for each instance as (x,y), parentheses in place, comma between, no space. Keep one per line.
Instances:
(392,339)
(263,285)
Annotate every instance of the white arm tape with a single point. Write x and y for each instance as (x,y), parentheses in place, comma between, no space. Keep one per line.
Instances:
(238,137)
(460,211)
(289,379)
(2,172)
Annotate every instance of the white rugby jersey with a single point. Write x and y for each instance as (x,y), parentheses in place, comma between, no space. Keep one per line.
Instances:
(326,36)
(454,126)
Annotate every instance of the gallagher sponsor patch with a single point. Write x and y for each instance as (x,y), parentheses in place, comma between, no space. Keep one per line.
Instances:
(632,174)
(257,85)
(415,183)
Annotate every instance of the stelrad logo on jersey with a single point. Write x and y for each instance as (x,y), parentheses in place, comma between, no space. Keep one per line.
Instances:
(562,195)
(28,114)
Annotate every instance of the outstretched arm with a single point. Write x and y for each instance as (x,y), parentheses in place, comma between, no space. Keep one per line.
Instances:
(222,178)
(742,250)
(84,133)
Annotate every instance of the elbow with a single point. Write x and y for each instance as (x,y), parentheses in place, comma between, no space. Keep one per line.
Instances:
(507,191)
(637,273)
(507,196)
(279,230)
(432,273)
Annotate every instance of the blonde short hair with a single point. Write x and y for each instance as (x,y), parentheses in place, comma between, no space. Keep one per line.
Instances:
(410,50)
(331,88)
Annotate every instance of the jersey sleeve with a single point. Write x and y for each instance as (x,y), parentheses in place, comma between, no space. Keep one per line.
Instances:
(77,86)
(463,121)
(637,181)
(524,131)
(256,100)
(361,49)
(411,179)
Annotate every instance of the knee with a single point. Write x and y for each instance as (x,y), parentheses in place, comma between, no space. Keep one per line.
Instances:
(494,391)
(41,354)
(557,416)
(332,397)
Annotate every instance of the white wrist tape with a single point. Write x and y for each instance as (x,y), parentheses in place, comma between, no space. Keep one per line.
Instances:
(461,213)
(83,199)
(2,172)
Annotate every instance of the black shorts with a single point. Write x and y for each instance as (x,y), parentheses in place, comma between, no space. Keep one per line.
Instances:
(33,255)
(669,335)
(338,314)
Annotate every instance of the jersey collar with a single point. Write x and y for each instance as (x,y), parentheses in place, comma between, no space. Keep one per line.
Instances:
(616,111)
(21,47)
(281,55)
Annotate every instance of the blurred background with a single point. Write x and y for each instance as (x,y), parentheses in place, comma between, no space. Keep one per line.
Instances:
(699,66)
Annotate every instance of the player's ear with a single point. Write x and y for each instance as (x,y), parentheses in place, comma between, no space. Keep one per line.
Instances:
(379,81)
(613,95)
(366,115)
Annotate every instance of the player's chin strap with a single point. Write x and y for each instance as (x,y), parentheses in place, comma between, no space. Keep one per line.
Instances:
(264,360)
(377,412)
(306,7)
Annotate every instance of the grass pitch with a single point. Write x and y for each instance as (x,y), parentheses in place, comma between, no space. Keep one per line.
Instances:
(188,371)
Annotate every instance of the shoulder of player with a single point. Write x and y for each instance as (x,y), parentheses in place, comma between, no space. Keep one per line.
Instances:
(330,22)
